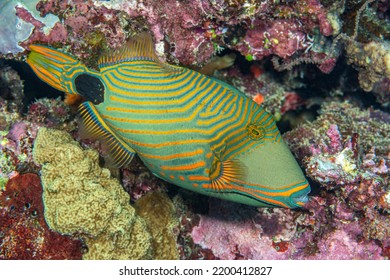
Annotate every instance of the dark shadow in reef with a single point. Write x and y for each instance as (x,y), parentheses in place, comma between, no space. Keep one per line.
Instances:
(34,88)
(223,210)
(315,187)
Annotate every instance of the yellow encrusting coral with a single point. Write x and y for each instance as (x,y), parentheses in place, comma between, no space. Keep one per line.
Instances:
(81,198)
(372,60)
(159,214)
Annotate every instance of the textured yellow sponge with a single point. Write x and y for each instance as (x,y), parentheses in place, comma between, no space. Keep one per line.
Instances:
(81,198)
(160,215)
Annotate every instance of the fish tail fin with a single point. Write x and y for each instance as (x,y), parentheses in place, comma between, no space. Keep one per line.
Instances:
(56,68)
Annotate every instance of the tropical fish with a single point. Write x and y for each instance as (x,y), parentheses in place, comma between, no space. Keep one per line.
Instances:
(192,130)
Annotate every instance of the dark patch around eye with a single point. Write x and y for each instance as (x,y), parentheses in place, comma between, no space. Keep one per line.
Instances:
(90,87)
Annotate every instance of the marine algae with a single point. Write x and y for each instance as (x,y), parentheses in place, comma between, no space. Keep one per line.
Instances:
(81,198)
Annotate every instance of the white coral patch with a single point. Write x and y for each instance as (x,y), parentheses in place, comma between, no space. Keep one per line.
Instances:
(344,160)
(387,197)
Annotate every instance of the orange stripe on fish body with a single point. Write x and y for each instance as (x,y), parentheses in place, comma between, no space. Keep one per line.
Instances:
(192,130)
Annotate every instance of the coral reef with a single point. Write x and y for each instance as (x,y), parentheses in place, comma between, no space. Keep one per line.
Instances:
(11,87)
(372,127)
(277,97)
(191,31)
(17,134)
(22,18)
(296,32)
(16,150)
(54,113)
(345,150)
(137,180)
(24,233)
(348,153)
(187,207)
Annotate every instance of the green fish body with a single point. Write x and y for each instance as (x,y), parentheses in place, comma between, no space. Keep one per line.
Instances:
(191,130)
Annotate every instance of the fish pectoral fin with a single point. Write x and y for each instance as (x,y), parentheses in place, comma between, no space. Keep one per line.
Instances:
(223,173)
(73,100)
(120,153)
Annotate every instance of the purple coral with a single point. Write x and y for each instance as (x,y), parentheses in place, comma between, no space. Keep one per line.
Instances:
(137,180)
(232,232)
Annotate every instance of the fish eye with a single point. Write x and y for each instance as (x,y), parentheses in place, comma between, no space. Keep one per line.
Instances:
(255,131)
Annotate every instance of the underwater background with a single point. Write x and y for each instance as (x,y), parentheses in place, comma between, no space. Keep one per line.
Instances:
(321,68)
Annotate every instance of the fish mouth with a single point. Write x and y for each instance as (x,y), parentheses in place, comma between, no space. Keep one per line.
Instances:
(301,198)
(49,64)
(292,196)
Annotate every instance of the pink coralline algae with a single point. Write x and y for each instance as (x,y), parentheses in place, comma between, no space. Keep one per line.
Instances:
(189,33)
(233,232)
(192,33)
(45,112)
(51,112)
(16,150)
(351,166)
(137,180)
(282,38)
(24,233)
(278,98)
(85,27)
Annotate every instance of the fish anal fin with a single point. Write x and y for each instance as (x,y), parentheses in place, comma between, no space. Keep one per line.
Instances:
(120,153)
(73,100)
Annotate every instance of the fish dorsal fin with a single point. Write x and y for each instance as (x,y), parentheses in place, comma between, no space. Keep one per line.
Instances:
(138,48)
(120,154)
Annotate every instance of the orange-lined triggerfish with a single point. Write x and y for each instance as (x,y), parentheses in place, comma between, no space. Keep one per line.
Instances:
(191,130)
